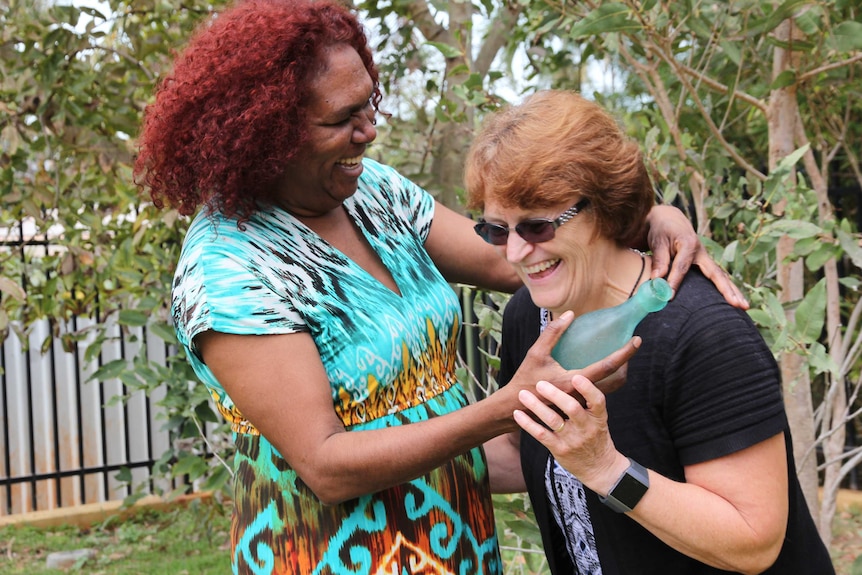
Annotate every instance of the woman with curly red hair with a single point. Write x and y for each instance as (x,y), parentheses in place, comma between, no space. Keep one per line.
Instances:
(311,298)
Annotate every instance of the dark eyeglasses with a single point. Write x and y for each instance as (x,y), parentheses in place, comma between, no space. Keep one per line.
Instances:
(535,231)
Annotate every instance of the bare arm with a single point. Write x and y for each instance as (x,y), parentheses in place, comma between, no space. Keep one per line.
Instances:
(504,463)
(290,403)
(730,513)
(463,257)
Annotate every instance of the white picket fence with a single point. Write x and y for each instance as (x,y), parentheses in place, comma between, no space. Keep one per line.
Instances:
(63,438)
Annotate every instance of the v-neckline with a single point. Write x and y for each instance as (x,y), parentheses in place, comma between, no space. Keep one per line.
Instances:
(370,243)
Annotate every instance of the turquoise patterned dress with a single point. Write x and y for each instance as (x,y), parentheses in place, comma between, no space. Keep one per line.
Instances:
(390,360)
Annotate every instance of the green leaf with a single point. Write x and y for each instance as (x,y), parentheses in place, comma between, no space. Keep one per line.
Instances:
(796,229)
(729,252)
(810,22)
(190,465)
(848,36)
(810,315)
(820,360)
(782,13)
(124,475)
(165,332)
(851,247)
(607,18)
(110,370)
(732,51)
(761,317)
(12,288)
(784,79)
(816,259)
(132,317)
(217,480)
(447,50)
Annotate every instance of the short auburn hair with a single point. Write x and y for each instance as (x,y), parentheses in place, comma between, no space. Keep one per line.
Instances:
(555,147)
(231,113)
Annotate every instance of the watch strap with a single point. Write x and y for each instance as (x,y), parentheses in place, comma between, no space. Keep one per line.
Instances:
(629,488)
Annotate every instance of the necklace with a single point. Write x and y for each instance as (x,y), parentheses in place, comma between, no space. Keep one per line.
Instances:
(640,275)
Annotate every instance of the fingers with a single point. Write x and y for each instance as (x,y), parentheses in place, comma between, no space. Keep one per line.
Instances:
(552,332)
(722,280)
(675,259)
(683,252)
(545,420)
(552,407)
(614,381)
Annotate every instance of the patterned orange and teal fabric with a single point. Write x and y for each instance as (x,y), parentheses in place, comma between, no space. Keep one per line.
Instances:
(390,359)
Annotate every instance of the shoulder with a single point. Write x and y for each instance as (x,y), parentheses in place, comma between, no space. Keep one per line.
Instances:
(697,304)
(380,178)
(700,338)
(521,328)
(213,239)
(696,292)
(388,193)
(520,308)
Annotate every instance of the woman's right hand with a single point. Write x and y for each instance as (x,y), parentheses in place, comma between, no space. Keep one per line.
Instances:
(538,365)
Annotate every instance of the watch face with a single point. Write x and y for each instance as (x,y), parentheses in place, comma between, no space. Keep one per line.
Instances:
(629,490)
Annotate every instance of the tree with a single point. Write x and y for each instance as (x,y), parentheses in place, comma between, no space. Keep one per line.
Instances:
(455,64)
(74,83)
(726,84)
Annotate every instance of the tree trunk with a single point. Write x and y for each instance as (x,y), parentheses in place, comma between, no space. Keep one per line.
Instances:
(836,416)
(447,170)
(781,116)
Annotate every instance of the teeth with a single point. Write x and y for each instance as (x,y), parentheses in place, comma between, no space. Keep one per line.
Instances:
(350,161)
(541,266)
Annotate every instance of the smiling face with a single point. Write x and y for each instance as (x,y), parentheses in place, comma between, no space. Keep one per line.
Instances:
(340,119)
(579,269)
(563,273)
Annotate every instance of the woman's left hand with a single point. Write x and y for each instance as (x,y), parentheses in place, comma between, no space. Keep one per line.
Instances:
(577,435)
(672,239)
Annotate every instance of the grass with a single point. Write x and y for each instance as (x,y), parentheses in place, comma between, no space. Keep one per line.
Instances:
(189,540)
(847,541)
(193,540)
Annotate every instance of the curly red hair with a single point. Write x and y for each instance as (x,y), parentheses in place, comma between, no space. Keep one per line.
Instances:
(230,114)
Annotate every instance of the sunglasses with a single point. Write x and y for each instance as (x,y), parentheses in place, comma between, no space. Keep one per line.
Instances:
(534,231)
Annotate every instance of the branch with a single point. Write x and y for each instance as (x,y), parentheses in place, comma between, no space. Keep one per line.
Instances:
(719,87)
(497,37)
(419,12)
(734,153)
(811,73)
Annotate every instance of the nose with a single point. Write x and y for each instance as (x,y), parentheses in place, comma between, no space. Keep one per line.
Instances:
(364,131)
(517,248)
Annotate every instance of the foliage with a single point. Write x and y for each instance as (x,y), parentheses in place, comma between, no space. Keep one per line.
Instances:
(79,241)
(693,81)
(749,111)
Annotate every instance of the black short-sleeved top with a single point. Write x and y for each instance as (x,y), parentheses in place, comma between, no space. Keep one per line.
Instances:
(703,385)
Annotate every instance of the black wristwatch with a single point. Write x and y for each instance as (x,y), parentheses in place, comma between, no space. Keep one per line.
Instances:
(628,489)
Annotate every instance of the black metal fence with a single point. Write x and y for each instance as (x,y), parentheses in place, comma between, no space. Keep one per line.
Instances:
(65,438)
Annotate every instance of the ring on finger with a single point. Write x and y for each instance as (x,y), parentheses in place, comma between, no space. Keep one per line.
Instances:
(560,428)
